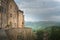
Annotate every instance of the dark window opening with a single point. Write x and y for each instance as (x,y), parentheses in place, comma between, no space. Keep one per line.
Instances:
(3,10)
(10,6)
(19,37)
(11,24)
(10,15)
(0,9)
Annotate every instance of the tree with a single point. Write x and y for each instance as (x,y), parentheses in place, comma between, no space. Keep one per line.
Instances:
(39,34)
(55,33)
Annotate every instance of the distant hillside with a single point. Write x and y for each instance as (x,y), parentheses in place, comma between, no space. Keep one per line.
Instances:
(52,27)
(41,24)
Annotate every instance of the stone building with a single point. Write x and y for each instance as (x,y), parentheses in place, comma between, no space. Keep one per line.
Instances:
(3,13)
(20,19)
(10,15)
(19,34)
(12,21)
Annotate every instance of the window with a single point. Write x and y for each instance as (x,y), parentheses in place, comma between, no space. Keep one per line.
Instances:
(2,9)
(10,15)
(14,16)
(19,37)
(10,6)
(22,22)
(11,24)
(15,24)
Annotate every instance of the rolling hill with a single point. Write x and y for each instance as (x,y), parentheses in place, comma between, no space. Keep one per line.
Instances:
(41,24)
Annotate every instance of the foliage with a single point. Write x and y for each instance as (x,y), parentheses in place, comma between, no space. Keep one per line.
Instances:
(54,33)
(39,34)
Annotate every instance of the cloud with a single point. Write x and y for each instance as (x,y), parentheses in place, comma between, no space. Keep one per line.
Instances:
(54,18)
(38,10)
(57,0)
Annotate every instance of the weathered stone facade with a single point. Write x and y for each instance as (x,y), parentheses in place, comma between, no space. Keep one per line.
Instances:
(20,19)
(3,13)
(20,34)
(10,15)
(12,21)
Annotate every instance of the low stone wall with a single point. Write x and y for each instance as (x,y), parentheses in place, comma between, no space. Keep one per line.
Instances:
(19,34)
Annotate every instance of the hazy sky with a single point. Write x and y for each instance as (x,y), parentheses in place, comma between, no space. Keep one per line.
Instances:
(40,10)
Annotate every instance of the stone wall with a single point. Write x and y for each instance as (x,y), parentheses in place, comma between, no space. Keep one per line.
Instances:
(3,12)
(20,19)
(11,17)
(12,22)
(12,14)
(19,34)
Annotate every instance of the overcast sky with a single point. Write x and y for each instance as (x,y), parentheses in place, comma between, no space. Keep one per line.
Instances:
(40,10)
